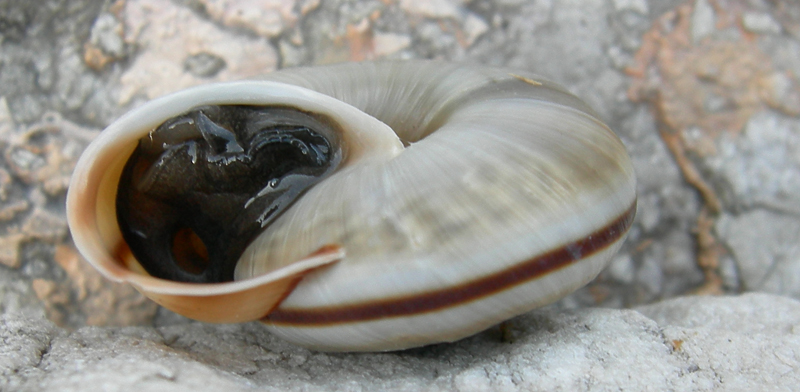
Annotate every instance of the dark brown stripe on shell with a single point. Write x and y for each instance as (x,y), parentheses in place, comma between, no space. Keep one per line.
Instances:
(470,291)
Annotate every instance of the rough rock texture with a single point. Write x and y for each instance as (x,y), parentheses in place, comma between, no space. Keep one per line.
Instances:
(694,343)
(704,93)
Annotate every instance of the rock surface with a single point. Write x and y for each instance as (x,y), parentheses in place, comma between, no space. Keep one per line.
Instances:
(750,342)
(704,93)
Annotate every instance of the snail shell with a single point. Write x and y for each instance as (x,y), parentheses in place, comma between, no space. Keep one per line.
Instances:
(466,195)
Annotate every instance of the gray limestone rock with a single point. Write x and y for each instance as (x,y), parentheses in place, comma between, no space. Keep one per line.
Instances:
(86,62)
(751,342)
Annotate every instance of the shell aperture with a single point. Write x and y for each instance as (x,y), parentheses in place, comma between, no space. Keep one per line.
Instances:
(200,186)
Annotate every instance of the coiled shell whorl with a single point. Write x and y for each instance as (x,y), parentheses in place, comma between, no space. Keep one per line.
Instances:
(464,196)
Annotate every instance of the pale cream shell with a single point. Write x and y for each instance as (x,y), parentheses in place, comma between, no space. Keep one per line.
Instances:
(499,168)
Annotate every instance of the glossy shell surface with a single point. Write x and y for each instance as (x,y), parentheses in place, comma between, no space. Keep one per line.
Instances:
(467,195)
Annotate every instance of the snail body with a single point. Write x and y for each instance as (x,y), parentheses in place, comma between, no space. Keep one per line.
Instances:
(458,197)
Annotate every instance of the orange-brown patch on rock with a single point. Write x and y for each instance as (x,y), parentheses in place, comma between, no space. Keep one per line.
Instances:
(705,86)
(710,86)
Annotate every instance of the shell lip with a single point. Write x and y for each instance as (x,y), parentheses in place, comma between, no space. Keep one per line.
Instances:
(90,207)
(167,287)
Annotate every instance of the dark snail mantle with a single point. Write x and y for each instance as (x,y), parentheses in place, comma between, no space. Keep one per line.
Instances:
(202,185)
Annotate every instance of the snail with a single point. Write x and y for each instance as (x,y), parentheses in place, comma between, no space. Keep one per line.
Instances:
(356,207)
